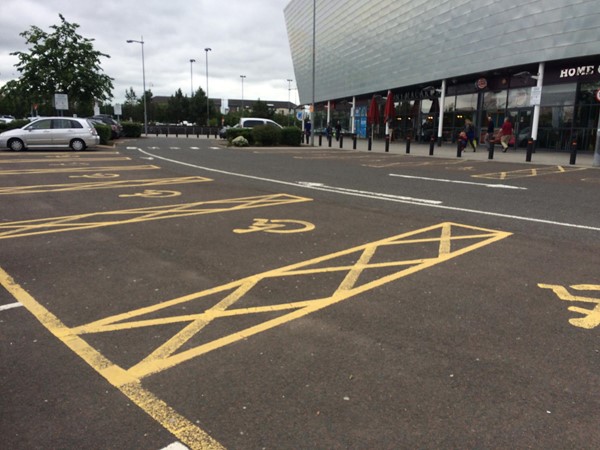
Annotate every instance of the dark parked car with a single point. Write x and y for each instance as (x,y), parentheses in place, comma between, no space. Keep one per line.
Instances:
(116,128)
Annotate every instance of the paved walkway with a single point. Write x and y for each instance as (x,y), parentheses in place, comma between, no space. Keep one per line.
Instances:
(447,150)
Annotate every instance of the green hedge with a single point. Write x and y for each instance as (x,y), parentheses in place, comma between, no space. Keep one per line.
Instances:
(132,129)
(291,136)
(12,125)
(104,131)
(266,135)
(232,133)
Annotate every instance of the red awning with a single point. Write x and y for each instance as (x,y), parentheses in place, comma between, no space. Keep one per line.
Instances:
(373,113)
(389,113)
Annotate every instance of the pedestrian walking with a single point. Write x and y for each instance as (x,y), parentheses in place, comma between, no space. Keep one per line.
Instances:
(470,132)
(506,133)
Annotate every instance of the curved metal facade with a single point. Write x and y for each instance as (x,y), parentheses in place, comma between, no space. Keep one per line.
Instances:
(365,46)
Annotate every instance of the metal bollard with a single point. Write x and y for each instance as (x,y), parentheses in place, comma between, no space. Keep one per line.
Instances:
(320,139)
(459,148)
(329,141)
(387,143)
(341,141)
(187,133)
(354,141)
(573,152)
(407,145)
(490,149)
(370,142)
(431,145)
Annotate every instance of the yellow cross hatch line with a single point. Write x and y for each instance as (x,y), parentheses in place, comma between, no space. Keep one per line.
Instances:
(129,216)
(440,243)
(76,170)
(93,185)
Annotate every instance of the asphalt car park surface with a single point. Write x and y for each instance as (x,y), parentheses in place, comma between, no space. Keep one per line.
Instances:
(178,292)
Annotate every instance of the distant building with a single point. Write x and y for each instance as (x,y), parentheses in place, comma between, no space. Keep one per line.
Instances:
(235,105)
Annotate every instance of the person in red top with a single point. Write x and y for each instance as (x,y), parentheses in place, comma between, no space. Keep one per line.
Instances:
(505,134)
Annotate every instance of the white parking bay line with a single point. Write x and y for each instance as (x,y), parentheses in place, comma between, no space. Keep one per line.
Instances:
(495,186)
(10,306)
(176,446)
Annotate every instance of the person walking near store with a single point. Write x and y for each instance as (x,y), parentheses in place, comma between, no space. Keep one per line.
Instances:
(338,130)
(505,134)
(489,137)
(307,128)
(470,132)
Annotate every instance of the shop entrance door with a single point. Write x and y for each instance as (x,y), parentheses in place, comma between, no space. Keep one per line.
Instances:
(521,119)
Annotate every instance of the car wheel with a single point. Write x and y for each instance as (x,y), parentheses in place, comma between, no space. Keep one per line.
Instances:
(77,145)
(16,145)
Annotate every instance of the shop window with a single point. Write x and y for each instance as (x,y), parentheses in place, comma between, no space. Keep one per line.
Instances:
(466,102)
(559,95)
(494,101)
(519,97)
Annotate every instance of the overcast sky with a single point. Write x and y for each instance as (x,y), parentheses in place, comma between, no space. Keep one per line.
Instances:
(247,37)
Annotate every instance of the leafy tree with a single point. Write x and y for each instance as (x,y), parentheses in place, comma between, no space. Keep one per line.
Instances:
(62,62)
(261,109)
(178,107)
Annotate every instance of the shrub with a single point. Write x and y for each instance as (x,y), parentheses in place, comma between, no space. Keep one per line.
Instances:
(14,124)
(104,131)
(266,135)
(132,129)
(291,136)
(232,133)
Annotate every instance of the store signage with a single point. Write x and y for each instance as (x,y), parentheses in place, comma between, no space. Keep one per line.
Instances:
(481,83)
(579,71)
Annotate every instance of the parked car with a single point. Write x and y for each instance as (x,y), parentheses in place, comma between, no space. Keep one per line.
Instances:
(251,122)
(116,128)
(52,132)
(7,118)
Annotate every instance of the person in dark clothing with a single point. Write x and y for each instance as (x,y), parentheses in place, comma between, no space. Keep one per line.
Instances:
(338,130)
(470,132)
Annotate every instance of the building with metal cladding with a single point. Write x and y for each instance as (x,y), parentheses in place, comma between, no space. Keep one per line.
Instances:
(444,61)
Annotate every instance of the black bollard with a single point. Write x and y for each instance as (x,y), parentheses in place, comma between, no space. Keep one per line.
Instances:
(341,141)
(530,144)
(459,148)
(354,141)
(407,145)
(491,149)
(431,145)
(573,152)
(387,143)
(329,141)
(370,142)
(187,132)
(320,139)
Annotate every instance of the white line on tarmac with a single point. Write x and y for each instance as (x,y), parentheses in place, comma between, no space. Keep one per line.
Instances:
(497,186)
(318,186)
(10,306)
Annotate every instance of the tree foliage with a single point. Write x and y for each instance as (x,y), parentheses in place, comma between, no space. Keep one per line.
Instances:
(61,61)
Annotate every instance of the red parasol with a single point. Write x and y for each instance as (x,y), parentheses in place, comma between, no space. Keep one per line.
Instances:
(373,113)
(389,113)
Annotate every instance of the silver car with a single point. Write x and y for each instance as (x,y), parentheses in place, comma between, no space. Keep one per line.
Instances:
(52,132)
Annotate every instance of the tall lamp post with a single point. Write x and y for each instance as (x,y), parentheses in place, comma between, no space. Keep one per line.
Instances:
(192,76)
(289,103)
(242,77)
(207,106)
(141,41)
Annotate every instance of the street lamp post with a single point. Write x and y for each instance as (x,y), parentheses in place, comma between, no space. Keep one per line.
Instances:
(141,41)
(192,76)
(289,103)
(207,103)
(242,77)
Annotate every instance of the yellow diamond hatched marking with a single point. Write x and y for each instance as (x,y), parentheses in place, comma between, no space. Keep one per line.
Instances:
(92,185)
(128,216)
(447,241)
(591,317)
(525,173)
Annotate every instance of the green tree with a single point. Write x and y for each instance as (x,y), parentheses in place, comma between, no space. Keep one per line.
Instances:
(62,61)
(178,107)
(261,109)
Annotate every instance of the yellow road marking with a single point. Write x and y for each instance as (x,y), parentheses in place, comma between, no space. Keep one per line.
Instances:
(525,173)
(76,170)
(64,158)
(100,185)
(440,239)
(440,243)
(440,162)
(276,226)
(592,316)
(110,218)
(188,433)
